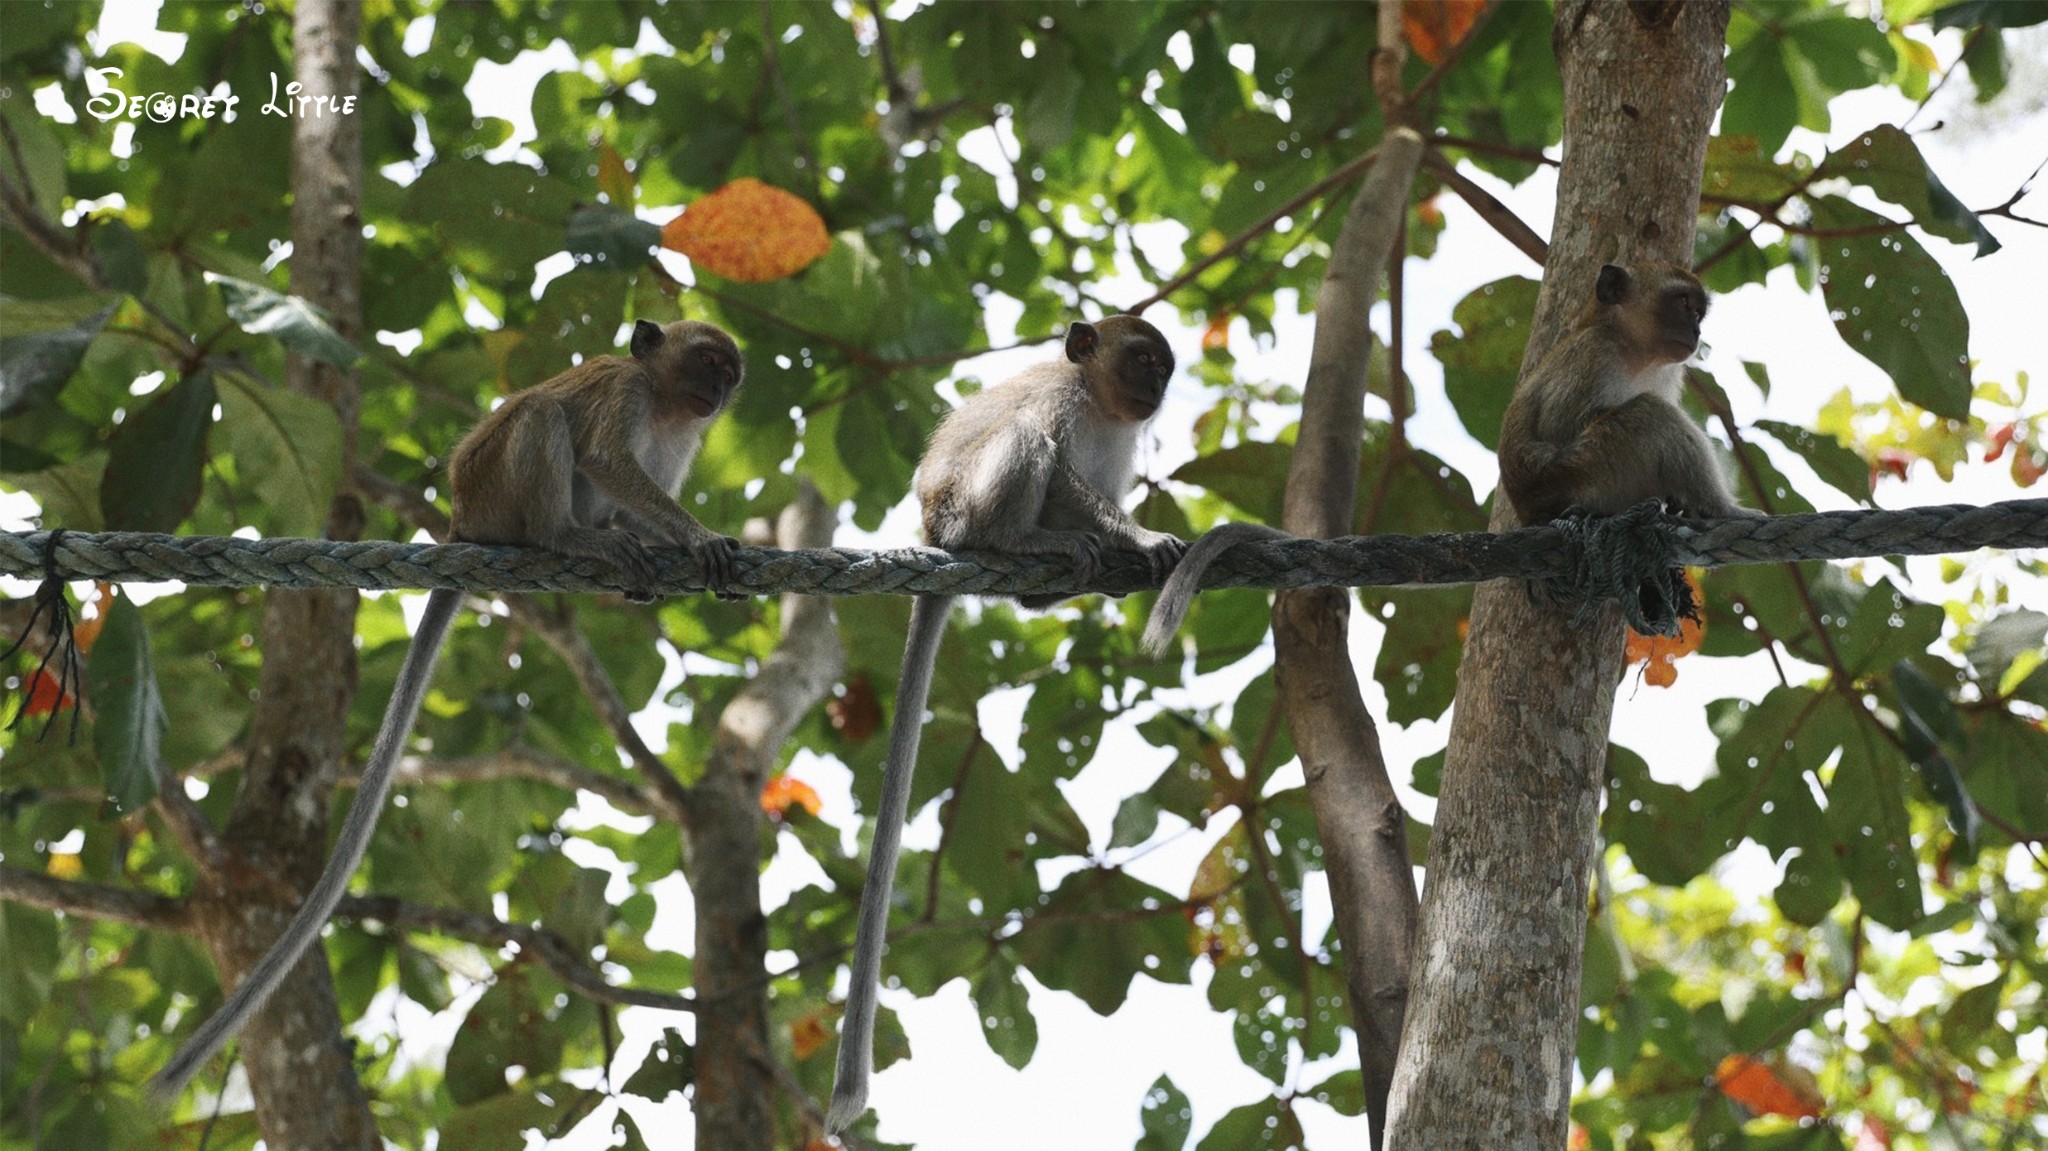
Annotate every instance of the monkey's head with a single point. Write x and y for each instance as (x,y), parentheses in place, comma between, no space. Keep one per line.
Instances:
(1656,309)
(693,361)
(1125,363)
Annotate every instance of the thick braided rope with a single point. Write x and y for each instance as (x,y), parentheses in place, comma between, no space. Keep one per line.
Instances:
(1572,552)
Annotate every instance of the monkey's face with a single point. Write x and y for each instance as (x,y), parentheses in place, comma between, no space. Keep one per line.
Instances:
(1127,364)
(696,362)
(1144,364)
(1660,307)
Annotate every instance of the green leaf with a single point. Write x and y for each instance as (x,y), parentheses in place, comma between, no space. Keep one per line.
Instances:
(35,366)
(1991,14)
(670,1066)
(611,238)
(1482,359)
(508,1027)
(1671,834)
(1896,307)
(1343,1092)
(128,708)
(497,1123)
(33,158)
(1837,466)
(154,459)
(1972,1014)
(1004,1008)
(297,324)
(1762,103)
(1927,720)
(1888,162)
(1265,1123)
(2004,638)
(287,453)
(1164,1117)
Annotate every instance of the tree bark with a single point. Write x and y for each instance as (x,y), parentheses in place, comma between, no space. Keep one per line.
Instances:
(301,1069)
(735,1079)
(1486,1058)
(1359,820)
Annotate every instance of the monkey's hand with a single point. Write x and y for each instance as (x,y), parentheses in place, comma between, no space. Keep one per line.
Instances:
(1085,550)
(624,551)
(1711,509)
(715,555)
(1162,551)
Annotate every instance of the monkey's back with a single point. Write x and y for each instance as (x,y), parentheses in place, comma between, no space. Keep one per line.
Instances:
(969,478)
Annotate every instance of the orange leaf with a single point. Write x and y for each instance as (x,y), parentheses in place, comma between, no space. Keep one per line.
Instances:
(2028,467)
(1997,441)
(1890,462)
(1433,27)
(855,714)
(613,179)
(808,1034)
(44,694)
(1216,336)
(1769,1086)
(750,232)
(1661,651)
(780,794)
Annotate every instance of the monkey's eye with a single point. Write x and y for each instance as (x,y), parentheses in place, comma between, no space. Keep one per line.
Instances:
(707,359)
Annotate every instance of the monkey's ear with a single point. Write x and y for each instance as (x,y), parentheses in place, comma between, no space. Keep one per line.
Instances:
(1081,341)
(646,338)
(1613,286)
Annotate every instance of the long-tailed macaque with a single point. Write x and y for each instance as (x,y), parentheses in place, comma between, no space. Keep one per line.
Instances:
(1597,424)
(1032,466)
(588,463)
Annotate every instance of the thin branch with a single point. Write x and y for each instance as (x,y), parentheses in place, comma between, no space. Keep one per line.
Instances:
(518,762)
(551,949)
(92,900)
(1488,208)
(558,628)
(1343,174)
(1491,148)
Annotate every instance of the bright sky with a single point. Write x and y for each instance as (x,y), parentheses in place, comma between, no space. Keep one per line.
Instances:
(1094,1070)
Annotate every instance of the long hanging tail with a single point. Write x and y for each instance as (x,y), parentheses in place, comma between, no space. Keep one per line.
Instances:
(1179,592)
(857,1029)
(304,930)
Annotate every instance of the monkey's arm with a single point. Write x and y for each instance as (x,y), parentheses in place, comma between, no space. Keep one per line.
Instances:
(1642,449)
(1070,499)
(621,477)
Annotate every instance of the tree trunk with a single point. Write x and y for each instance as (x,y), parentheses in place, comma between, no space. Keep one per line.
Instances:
(1486,1058)
(1363,831)
(301,1070)
(735,1081)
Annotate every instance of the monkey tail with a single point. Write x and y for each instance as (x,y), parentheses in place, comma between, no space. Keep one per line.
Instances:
(304,930)
(1179,593)
(857,1029)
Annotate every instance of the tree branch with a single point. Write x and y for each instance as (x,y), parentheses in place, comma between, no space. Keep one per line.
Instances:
(93,900)
(551,949)
(1488,208)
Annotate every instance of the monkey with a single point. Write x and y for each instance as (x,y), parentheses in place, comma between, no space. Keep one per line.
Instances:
(1036,465)
(1596,425)
(588,463)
